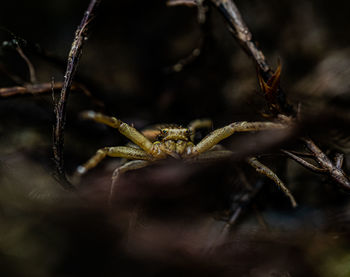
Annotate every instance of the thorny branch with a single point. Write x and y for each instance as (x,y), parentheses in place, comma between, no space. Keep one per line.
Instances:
(325,163)
(81,35)
(243,35)
(269,81)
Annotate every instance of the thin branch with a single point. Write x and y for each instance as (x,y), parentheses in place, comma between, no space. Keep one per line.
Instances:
(195,53)
(333,171)
(188,3)
(203,23)
(241,32)
(60,110)
(301,154)
(304,163)
(32,75)
(239,204)
(33,89)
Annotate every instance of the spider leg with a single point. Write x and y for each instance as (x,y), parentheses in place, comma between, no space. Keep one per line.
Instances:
(125,129)
(211,156)
(198,124)
(119,151)
(218,135)
(131,165)
(264,170)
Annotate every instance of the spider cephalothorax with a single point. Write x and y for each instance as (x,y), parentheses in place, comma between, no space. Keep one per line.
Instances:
(175,133)
(176,142)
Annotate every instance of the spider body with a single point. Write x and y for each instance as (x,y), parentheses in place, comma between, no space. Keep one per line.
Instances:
(176,142)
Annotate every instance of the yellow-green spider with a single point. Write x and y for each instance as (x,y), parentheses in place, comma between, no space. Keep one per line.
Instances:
(176,142)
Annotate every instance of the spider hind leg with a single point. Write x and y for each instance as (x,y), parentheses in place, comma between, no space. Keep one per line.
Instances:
(264,170)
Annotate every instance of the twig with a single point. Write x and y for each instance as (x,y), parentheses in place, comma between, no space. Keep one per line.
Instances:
(189,3)
(239,204)
(60,110)
(303,162)
(241,32)
(32,75)
(333,170)
(300,154)
(187,60)
(197,51)
(31,89)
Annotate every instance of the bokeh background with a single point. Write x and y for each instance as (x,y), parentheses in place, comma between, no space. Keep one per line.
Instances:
(167,220)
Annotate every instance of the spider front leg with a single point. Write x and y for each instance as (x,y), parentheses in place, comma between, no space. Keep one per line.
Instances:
(129,153)
(125,129)
(131,165)
(218,135)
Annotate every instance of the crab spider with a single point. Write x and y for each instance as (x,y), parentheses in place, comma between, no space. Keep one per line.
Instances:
(177,142)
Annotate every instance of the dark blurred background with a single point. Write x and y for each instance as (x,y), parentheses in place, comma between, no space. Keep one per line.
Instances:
(167,219)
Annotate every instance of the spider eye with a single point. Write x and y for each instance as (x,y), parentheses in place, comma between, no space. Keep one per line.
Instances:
(164,132)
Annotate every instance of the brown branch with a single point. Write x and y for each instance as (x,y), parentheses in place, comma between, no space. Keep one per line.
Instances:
(279,104)
(203,23)
(32,75)
(195,53)
(241,201)
(60,110)
(33,89)
(241,32)
(332,169)
(188,3)
(304,163)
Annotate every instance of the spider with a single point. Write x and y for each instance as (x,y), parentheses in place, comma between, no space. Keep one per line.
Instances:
(176,142)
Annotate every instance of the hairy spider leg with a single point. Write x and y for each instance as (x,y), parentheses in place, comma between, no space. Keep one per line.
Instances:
(129,153)
(131,165)
(199,124)
(210,142)
(264,170)
(216,155)
(211,156)
(218,135)
(125,129)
